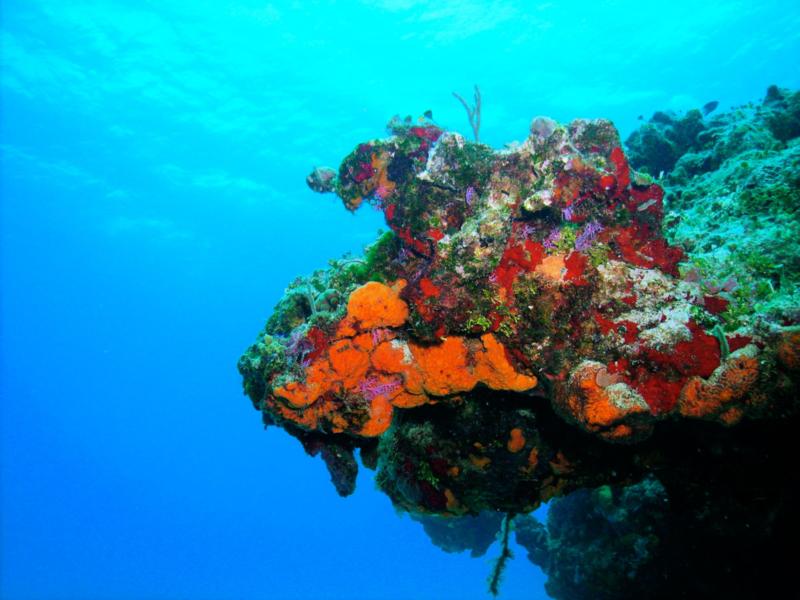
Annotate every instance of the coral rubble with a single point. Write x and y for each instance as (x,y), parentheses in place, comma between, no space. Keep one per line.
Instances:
(526,328)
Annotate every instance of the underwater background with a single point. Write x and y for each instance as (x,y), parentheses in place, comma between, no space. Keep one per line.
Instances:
(154,209)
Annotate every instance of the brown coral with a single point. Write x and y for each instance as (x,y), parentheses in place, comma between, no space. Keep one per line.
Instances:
(722,396)
(599,405)
(788,350)
(516,440)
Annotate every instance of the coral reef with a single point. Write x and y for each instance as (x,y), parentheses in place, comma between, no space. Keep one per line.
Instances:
(532,325)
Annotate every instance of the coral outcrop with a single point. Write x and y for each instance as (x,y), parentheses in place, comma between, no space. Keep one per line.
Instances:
(525,328)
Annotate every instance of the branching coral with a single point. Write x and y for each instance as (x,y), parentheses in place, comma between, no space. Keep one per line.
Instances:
(473,112)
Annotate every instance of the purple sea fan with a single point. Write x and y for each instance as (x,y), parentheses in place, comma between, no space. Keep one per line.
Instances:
(373,387)
(527,230)
(552,238)
(587,236)
(469,196)
(299,347)
(381,334)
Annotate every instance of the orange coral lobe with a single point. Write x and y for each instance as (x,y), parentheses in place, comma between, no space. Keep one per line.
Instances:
(380,417)
(349,363)
(603,410)
(377,305)
(396,357)
(533,458)
(444,367)
(789,350)
(516,440)
(406,400)
(717,397)
(452,502)
(384,186)
(493,368)
(364,342)
(316,384)
(384,372)
(552,267)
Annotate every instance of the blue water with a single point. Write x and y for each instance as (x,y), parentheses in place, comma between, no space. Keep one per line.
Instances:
(154,208)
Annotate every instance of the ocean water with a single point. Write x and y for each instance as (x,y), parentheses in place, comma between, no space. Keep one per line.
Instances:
(154,209)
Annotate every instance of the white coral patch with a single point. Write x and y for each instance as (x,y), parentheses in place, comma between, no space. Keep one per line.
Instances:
(625,398)
(662,329)
(408,358)
(612,280)
(437,168)
(652,286)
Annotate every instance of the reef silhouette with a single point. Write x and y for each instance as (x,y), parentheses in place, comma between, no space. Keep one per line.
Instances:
(525,330)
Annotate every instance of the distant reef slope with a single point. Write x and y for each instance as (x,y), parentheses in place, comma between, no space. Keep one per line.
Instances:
(732,201)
